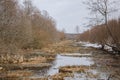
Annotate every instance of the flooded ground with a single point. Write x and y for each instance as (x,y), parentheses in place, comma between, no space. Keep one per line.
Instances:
(64,60)
(87,64)
(97,65)
(68,61)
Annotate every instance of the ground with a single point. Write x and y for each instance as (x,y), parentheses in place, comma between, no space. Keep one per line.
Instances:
(37,60)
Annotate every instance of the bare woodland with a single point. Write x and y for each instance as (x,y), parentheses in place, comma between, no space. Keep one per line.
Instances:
(98,34)
(24,27)
(32,48)
(105,31)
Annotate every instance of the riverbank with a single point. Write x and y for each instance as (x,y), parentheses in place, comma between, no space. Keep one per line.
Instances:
(66,60)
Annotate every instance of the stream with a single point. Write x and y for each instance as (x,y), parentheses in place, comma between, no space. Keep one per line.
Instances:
(97,65)
(68,61)
(61,61)
(102,71)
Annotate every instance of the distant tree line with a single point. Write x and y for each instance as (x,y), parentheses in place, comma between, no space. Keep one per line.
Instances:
(99,34)
(24,26)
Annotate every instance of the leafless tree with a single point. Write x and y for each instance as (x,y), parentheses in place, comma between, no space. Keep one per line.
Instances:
(98,35)
(19,27)
(104,8)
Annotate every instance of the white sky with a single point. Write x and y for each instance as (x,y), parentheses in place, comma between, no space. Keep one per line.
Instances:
(67,13)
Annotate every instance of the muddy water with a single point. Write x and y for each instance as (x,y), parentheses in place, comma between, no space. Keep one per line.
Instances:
(64,60)
(106,66)
(68,61)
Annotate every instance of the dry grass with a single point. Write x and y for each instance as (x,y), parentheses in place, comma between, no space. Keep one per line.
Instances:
(60,76)
(72,69)
(61,47)
(35,78)
(36,60)
(16,74)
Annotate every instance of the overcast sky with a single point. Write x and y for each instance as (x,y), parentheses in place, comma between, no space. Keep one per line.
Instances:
(67,13)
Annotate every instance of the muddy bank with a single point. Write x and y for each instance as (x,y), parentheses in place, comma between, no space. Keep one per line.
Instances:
(105,67)
(33,61)
(85,63)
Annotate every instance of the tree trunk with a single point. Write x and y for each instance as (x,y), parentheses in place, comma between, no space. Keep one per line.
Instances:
(102,47)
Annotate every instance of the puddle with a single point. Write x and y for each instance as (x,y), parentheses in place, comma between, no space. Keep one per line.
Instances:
(103,65)
(97,73)
(90,75)
(95,67)
(66,61)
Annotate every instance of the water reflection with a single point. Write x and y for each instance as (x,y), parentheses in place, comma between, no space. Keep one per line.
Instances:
(61,61)
(40,73)
(102,70)
(68,61)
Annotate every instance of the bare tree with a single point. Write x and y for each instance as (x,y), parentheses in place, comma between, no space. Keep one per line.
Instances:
(104,8)
(98,35)
(8,18)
